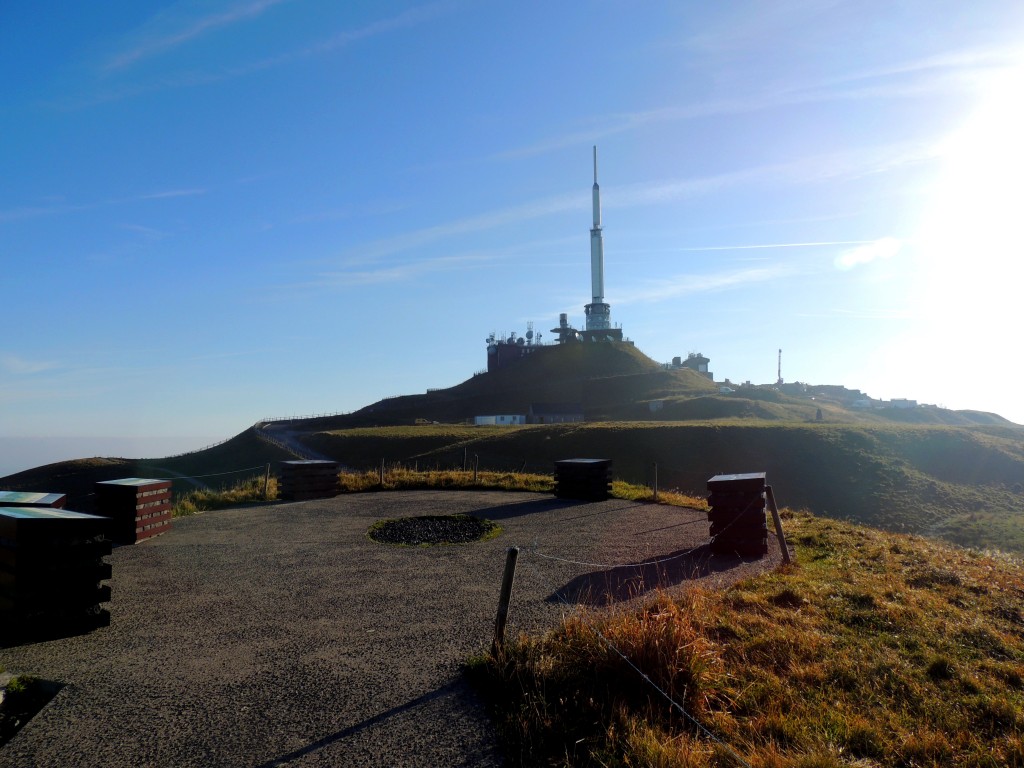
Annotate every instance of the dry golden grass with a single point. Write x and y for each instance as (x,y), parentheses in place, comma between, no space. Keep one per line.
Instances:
(673,498)
(874,649)
(397,478)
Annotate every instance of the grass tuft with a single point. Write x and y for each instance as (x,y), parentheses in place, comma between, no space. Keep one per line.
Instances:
(23,697)
(206,500)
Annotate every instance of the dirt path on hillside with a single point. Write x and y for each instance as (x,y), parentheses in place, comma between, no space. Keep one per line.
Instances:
(280,434)
(281,635)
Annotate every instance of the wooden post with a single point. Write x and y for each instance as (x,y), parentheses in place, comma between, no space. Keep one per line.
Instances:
(476,467)
(465,453)
(655,482)
(416,466)
(778,524)
(266,482)
(504,599)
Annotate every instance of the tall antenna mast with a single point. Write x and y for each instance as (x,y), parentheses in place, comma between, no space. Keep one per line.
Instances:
(598,312)
(779,382)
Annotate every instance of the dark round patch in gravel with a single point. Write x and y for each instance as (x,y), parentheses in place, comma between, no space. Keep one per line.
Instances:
(433,529)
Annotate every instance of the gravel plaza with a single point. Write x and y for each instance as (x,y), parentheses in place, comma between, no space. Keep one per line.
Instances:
(282,635)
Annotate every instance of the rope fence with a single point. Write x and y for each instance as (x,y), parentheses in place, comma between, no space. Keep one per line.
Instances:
(307,417)
(611,566)
(653,475)
(200,450)
(675,704)
(261,467)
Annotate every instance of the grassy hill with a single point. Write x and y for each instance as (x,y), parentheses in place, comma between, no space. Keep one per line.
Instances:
(609,380)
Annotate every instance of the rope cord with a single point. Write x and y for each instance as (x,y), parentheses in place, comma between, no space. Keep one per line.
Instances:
(610,566)
(613,566)
(700,727)
(212,474)
(198,477)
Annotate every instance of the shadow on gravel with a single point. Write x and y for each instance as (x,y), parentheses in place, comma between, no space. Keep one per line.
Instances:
(625,582)
(702,519)
(594,509)
(23,698)
(507,511)
(46,631)
(456,687)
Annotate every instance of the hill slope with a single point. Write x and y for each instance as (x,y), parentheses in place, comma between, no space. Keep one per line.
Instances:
(237,458)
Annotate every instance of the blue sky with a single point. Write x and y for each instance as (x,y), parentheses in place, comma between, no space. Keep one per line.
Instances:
(213,212)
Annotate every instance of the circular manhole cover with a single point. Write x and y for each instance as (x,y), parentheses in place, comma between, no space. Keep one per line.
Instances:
(433,529)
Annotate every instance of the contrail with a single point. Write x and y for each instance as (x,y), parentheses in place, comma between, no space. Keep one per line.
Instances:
(773,245)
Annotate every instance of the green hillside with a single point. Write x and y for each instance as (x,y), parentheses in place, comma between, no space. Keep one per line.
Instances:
(220,465)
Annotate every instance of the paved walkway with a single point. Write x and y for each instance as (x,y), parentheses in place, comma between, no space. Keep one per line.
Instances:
(281,635)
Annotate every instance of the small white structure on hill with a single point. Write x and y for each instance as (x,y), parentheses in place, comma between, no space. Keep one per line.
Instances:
(500,421)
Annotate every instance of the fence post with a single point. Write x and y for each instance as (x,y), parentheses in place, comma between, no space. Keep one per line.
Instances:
(266,481)
(464,455)
(504,599)
(476,467)
(778,524)
(655,482)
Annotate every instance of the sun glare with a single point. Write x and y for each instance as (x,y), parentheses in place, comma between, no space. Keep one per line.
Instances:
(966,255)
(970,244)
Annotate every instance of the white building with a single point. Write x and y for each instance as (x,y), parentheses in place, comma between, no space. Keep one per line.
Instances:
(503,420)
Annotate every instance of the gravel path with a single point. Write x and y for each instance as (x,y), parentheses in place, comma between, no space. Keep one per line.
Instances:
(280,434)
(281,635)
